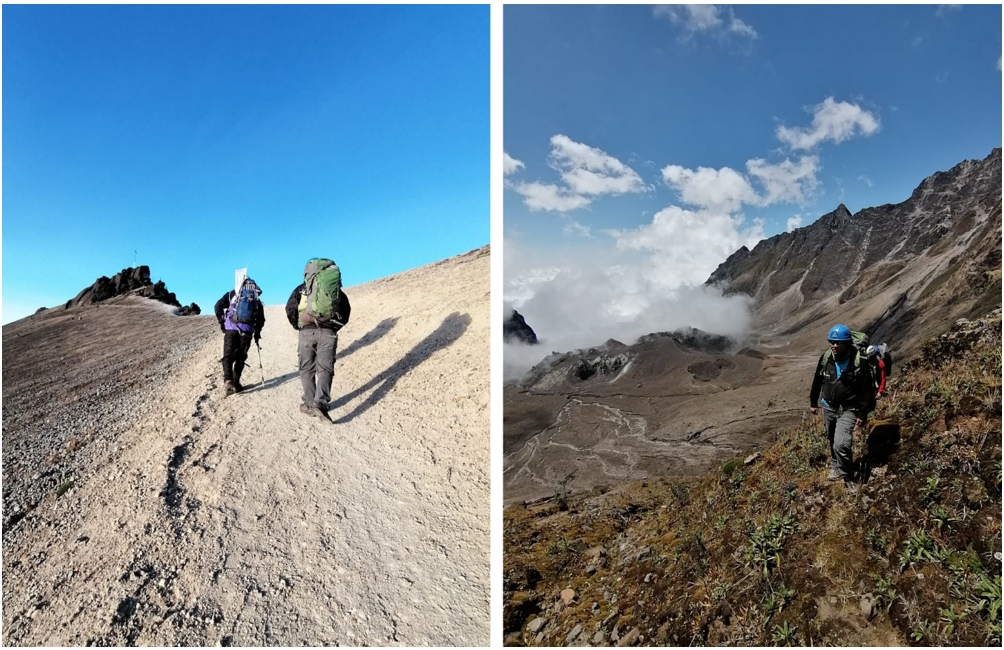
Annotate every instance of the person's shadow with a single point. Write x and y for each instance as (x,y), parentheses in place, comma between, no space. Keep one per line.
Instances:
(451,329)
(369,337)
(271,383)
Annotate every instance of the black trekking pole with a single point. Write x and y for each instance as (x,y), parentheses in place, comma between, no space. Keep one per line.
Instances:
(260,368)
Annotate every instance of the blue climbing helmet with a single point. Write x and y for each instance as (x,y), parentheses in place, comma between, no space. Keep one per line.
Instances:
(839,333)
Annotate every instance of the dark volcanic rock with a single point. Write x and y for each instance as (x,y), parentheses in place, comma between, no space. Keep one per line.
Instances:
(694,339)
(134,281)
(515,330)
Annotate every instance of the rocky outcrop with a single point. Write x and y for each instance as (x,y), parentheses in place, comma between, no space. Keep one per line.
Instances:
(515,330)
(900,269)
(134,281)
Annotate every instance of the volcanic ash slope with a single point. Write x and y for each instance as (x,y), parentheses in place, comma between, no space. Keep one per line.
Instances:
(161,513)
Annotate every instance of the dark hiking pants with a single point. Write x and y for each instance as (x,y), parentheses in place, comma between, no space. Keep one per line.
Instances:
(316,349)
(840,432)
(235,352)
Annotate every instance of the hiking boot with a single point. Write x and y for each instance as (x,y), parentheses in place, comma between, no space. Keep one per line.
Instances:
(322,412)
(307,410)
(238,387)
(229,388)
(834,475)
(852,487)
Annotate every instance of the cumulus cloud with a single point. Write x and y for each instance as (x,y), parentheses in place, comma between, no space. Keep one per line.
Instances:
(785,181)
(831,120)
(587,172)
(726,189)
(686,246)
(722,189)
(510,165)
(590,171)
(794,222)
(539,196)
(709,19)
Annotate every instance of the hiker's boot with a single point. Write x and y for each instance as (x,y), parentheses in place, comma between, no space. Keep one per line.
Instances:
(237,386)
(229,388)
(322,412)
(834,475)
(307,410)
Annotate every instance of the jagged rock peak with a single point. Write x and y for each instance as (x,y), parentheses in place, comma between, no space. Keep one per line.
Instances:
(516,330)
(135,281)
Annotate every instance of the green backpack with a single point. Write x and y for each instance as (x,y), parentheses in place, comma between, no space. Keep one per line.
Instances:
(322,283)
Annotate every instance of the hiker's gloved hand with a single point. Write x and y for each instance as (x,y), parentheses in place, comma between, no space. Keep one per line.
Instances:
(814,410)
(860,421)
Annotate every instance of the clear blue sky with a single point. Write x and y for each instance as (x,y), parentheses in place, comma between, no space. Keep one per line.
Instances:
(205,138)
(657,140)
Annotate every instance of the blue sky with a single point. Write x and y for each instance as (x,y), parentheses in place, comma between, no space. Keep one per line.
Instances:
(198,139)
(645,144)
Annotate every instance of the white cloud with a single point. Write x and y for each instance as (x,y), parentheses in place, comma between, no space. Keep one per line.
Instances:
(864,179)
(941,77)
(998,64)
(510,165)
(590,171)
(573,227)
(687,245)
(831,120)
(794,222)
(704,18)
(785,181)
(580,296)
(587,172)
(722,189)
(539,196)
(944,10)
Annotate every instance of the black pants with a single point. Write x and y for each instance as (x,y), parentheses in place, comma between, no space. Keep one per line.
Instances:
(235,352)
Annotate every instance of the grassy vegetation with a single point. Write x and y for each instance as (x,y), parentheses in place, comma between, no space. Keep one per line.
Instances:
(773,554)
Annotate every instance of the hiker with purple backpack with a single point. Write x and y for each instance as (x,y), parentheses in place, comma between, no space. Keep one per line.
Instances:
(241,317)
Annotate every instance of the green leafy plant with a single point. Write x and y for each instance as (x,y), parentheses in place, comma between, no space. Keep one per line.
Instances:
(784,634)
(939,516)
(931,489)
(920,632)
(919,548)
(950,619)
(885,592)
(770,604)
(767,542)
(988,594)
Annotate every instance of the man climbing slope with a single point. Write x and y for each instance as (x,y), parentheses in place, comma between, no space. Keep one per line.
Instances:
(318,308)
(842,384)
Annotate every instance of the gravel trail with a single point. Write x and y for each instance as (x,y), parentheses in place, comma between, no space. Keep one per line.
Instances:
(241,521)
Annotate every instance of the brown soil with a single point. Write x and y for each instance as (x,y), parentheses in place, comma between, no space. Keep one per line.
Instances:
(141,506)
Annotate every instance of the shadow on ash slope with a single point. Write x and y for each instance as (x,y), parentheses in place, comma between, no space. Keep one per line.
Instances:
(668,405)
(241,521)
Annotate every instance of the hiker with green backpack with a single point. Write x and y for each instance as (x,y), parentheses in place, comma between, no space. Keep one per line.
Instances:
(844,386)
(318,308)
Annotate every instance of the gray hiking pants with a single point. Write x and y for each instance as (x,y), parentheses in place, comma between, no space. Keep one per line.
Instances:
(316,349)
(840,432)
